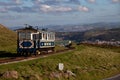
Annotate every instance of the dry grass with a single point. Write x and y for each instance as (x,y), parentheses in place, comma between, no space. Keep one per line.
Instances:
(8,39)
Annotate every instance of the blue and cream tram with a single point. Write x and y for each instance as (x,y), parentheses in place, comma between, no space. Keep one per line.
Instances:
(33,41)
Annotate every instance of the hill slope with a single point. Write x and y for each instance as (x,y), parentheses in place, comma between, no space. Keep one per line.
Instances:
(94,34)
(7,39)
(103,34)
(82,27)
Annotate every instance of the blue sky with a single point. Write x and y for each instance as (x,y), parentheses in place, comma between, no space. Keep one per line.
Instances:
(52,12)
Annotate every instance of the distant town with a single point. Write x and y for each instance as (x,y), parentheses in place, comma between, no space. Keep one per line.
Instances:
(111,42)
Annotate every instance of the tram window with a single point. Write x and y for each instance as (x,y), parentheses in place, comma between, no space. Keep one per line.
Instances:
(52,36)
(40,35)
(28,35)
(36,36)
(48,36)
(45,36)
(22,35)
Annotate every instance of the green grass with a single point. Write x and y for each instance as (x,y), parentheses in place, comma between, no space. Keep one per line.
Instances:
(87,62)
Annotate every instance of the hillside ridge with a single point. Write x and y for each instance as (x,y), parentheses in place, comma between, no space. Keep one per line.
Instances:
(2,26)
(8,38)
(92,35)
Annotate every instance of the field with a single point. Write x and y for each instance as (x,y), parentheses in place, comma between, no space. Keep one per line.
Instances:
(85,62)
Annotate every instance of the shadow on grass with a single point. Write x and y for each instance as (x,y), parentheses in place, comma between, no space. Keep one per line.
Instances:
(4,54)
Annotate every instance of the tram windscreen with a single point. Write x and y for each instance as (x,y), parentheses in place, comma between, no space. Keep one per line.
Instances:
(36,36)
(24,35)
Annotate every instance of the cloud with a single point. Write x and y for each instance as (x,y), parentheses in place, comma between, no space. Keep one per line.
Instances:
(55,2)
(36,2)
(91,1)
(115,1)
(10,3)
(17,1)
(20,9)
(83,8)
(38,6)
(3,10)
(47,8)
(47,2)
(36,9)
(6,3)
(52,2)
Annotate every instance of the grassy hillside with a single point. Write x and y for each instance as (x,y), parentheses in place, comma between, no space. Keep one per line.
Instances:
(7,40)
(86,62)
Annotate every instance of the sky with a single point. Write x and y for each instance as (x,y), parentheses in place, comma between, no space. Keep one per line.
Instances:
(58,12)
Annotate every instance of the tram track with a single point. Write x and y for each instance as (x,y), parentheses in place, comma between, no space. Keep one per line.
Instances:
(26,58)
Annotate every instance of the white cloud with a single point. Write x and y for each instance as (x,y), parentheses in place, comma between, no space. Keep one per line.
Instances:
(63,9)
(47,8)
(115,1)
(17,6)
(91,1)
(17,1)
(83,8)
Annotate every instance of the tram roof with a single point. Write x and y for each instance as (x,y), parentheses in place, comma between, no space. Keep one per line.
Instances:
(31,29)
(27,29)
